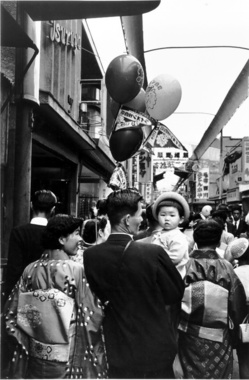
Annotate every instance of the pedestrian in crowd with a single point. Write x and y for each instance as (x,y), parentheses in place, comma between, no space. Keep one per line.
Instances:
(246,233)
(25,240)
(206,212)
(56,318)
(153,226)
(188,229)
(170,209)
(213,302)
(95,231)
(226,237)
(134,281)
(93,210)
(239,223)
(242,271)
(101,207)
(229,227)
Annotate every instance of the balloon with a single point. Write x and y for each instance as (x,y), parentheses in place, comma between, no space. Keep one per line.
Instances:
(163,96)
(138,103)
(124,78)
(125,143)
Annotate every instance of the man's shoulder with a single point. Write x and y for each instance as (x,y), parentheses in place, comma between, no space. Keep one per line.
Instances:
(25,228)
(28,226)
(145,246)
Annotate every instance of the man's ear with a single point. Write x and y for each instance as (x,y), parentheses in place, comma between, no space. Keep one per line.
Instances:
(62,240)
(52,212)
(31,206)
(182,219)
(127,219)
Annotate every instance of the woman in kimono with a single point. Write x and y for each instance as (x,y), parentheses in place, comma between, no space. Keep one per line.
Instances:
(213,305)
(52,318)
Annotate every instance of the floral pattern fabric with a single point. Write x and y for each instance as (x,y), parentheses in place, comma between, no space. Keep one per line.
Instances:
(87,354)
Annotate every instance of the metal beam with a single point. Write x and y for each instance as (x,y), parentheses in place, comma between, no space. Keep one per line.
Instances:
(235,97)
(237,94)
(43,10)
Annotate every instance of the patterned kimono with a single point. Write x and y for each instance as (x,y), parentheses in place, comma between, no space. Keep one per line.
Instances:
(213,305)
(52,316)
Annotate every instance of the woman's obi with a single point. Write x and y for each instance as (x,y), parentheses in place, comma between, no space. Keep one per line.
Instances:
(205,311)
(45,316)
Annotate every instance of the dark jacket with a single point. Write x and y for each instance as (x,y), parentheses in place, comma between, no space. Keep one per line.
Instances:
(24,248)
(230,228)
(241,228)
(137,327)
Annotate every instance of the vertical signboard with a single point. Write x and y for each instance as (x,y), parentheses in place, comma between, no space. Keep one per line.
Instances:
(245,158)
(202,184)
(145,175)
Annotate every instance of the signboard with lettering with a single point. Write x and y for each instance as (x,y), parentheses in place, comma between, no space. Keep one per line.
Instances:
(145,174)
(67,37)
(202,184)
(245,158)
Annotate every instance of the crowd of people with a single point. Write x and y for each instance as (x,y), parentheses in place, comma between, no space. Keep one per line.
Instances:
(150,292)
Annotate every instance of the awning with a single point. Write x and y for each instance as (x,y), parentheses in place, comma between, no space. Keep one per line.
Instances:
(12,35)
(93,154)
(68,10)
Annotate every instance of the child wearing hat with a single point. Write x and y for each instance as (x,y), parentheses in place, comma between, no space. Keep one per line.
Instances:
(170,209)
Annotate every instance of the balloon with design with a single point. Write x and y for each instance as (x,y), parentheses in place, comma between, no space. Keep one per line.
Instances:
(124,78)
(163,96)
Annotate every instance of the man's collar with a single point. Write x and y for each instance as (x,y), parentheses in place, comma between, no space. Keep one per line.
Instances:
(121,233)
(39,221)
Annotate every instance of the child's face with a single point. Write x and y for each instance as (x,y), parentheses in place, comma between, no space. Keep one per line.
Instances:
(169,218)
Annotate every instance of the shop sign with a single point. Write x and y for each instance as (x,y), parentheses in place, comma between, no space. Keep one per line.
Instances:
(235,175)
(60,34)
(233,195)
(135,171)
(245,158)
(148,192)
(202,184)
(145,167)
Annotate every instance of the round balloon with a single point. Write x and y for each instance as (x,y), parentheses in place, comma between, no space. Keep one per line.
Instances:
(125,143)
(138,103)
(163,96)
(124,78)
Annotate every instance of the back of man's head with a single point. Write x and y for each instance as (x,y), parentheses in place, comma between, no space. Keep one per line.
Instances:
(207,233)
(122,202)
(43,201)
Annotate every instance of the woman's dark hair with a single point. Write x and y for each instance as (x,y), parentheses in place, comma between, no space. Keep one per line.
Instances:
(121,203)
(58,226)
(207,233)
(220,214)
(220,217)
(101,206)
(91,228)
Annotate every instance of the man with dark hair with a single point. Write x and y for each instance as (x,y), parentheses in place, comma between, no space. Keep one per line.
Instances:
(135,281)
(25,240)
(239,223)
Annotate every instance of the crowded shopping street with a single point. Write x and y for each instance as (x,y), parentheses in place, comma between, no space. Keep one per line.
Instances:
(124,189)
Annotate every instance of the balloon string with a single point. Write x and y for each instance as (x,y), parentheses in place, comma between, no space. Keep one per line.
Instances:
(125,39)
